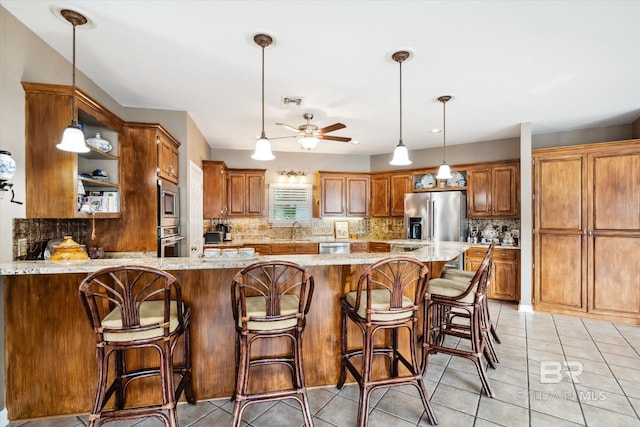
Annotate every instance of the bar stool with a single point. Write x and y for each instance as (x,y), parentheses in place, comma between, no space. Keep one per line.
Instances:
(465,277)
(389,296)
(445,303)
(134,308)
(460,279)
(270,300)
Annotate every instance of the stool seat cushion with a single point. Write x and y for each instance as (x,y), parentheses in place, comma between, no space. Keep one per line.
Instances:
(151,313)
(456,274)
(257,307)
(450,288)
(380,300)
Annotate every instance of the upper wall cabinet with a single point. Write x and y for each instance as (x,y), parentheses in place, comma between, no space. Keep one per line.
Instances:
(168,157)
(344,194)
(214,189)
(245,192)
(387,194)
(492,190)
(52,175)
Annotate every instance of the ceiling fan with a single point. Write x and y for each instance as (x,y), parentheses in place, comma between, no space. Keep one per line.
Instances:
(308,134)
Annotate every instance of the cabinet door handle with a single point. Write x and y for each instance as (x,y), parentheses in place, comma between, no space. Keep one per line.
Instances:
(591,232)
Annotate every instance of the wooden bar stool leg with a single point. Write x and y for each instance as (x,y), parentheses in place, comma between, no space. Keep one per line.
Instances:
(394,352)
(343,352)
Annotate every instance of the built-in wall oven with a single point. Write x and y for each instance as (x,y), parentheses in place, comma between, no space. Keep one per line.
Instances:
(169,238)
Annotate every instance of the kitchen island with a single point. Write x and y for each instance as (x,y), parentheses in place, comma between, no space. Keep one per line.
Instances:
(49,347)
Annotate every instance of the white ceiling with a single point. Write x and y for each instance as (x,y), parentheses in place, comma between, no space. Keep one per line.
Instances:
(562,65)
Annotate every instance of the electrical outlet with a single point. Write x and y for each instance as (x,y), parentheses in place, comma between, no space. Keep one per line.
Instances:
(22,247)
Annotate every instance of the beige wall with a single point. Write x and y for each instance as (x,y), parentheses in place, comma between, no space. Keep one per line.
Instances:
(484,151)
(304,162)
(582,136)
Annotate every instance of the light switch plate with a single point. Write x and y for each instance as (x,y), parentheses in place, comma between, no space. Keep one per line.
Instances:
(22,247)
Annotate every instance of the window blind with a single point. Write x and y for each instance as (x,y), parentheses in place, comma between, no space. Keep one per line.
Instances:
(289,202)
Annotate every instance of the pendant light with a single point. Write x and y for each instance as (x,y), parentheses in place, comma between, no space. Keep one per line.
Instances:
(444,172)
(400,154)
(263,146)
(73,138)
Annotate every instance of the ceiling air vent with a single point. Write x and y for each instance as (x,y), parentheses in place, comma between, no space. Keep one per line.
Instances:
(292,100)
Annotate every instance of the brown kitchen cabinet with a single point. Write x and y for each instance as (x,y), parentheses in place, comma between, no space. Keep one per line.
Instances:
(356,247)
(214,189)
(379,247)
(505,274)
(137,229)
(51,174)
(587,230)
(168,156)
(246,192)
(492,190)
(344,195)
(387,194)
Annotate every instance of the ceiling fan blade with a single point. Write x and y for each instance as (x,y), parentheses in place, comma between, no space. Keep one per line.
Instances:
(291,128)
(332,127)
(334,138)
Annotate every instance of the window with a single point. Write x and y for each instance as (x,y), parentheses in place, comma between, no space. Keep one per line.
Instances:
(289,203)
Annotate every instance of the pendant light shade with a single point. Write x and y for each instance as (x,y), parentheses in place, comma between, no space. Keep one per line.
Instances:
(400,154)
(263,149)
(444,172)
(73,138)
(263,146)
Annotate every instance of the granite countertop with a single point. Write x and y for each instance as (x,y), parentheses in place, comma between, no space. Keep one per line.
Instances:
(438,251)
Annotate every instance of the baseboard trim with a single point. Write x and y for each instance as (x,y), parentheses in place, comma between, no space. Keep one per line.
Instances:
(525,308)
(4,418)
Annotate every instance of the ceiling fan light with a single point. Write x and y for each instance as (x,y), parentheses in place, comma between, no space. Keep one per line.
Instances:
(308,142)
(263,150)
(444,172)
(73,140)
(400,156)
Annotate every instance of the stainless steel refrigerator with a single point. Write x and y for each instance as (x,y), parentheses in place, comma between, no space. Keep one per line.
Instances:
(436,216)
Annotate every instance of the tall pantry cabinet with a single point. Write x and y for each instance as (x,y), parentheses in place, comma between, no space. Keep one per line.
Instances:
(587,230)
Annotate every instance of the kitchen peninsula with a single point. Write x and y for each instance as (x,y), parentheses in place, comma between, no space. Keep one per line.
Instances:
(50,347)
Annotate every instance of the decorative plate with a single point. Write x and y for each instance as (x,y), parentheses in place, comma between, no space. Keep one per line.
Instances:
(427,181)
(99,144)
(455,180)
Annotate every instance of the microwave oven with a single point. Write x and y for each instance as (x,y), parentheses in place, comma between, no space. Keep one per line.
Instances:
(168,203)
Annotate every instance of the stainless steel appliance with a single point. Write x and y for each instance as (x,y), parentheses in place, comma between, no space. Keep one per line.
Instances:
(225,230)
(169,238)
(213,237)
(436,216)
(168,203)
(334,247)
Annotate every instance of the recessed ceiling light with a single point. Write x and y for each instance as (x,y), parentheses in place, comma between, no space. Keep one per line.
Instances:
(436,130)
(354,142)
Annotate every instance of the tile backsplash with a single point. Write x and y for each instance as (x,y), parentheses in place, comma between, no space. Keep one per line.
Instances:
(37,232)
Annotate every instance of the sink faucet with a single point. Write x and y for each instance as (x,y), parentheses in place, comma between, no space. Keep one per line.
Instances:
(294,234)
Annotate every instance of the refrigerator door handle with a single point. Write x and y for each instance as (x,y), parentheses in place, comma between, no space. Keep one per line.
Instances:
(433,221)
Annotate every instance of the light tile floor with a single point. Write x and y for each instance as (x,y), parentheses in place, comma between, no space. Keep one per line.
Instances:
(597,384)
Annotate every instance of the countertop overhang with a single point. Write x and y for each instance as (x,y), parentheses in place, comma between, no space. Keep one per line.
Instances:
(436,251)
